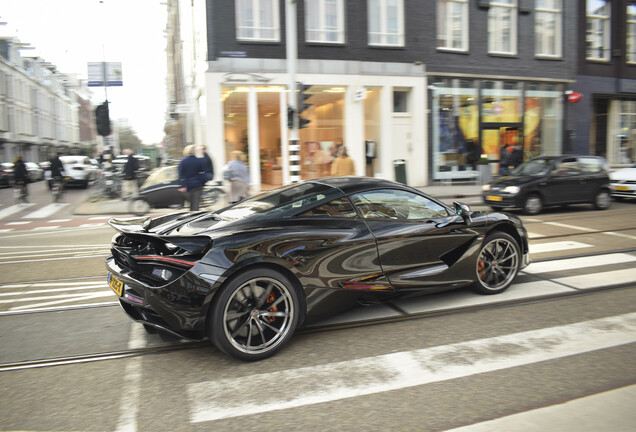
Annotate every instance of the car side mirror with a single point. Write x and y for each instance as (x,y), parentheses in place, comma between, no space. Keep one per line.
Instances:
(464,211)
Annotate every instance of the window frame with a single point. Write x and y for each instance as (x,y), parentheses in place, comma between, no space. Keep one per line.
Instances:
(447,4)
(257,7)
(382,33)
(322,25)
(630,48)
(606,21)
(495,46)
(539,33)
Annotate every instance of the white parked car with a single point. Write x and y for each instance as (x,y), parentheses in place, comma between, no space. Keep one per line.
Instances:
(79,169)
(623,183)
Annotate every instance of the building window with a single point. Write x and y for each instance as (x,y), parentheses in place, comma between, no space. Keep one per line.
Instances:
(257,20)
(386,22)
(547,28)
(631,33)
(324,21)
(502,27)
(452,24)
(598,30)
(400,101)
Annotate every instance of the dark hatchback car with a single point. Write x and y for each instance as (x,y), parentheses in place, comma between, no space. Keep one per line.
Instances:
(550,181)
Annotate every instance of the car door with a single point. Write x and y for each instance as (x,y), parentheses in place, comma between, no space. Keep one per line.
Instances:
(419,240)
(565,183)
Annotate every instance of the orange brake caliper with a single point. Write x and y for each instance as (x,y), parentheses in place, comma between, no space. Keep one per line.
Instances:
(271,299)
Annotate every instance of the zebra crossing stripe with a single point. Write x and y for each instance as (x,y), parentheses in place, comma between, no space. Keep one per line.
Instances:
(579,263)
(227,398)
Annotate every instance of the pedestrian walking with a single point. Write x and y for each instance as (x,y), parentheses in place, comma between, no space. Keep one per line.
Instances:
(21,179)
(191,177)
(237,172)
(129,185)
(209,166)
(343,164)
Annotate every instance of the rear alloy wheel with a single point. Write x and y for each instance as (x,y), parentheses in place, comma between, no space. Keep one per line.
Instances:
(138,206)
(533,204)
(603,200)
(254,315)
(497,264)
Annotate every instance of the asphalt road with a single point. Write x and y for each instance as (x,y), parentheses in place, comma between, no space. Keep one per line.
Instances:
(71,360)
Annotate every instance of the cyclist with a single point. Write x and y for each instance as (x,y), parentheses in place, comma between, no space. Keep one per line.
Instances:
(21,179)
(56,183)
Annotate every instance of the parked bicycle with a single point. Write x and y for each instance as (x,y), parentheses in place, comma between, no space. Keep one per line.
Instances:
(107,186)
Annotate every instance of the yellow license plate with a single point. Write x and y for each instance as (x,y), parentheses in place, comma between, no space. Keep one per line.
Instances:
(621,188)
(116,285)
(494,198)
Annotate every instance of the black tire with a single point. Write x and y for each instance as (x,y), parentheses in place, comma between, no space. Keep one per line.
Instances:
(532,205)
(138,206)
(602,200)
(497,263)
(254,315)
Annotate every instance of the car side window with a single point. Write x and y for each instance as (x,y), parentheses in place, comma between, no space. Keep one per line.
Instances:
(340,207)
(397,205)
(567,167)
(590,165)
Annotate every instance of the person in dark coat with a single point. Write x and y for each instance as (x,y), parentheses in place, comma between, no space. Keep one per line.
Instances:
(209,167)
(129,185)
(57,169)
(21,176)
(191,176)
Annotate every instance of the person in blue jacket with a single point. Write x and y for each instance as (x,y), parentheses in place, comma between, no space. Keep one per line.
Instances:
(191,176)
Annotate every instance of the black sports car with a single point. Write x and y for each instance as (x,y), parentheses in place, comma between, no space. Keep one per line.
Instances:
(248,275)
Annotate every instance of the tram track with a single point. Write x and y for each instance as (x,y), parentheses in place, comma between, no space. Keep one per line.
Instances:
(404,316)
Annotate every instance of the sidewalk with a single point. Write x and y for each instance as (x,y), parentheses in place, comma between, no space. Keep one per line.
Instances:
(120,207)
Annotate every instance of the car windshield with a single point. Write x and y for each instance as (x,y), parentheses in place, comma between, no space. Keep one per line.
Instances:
(163,175)
(534,167)
(295,196)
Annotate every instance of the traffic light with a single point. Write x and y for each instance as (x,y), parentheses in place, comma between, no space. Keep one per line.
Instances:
(301,105)
(102,119)
(290,117)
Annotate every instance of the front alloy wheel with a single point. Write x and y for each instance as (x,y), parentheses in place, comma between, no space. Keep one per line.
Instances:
(497,264)
(603,200)
(532,205)
(254,315)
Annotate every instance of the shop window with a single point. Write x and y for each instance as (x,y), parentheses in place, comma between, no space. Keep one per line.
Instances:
(547,28)
(400,101)
(257,20)
(324,21)
(386,22)
(597,38)
(502,27)
(631,33)
(543,120)
(452,24)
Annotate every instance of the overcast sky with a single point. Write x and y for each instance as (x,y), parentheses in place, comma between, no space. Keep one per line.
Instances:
(72,33)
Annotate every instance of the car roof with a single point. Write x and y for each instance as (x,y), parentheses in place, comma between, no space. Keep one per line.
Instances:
(351,184)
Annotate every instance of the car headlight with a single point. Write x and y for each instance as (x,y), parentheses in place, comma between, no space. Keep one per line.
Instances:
(511,190)
(485,187)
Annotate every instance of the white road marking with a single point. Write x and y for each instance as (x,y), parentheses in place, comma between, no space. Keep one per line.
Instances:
(608,411)
(598,280)
(53,259)
(90,225)
(46,211)
(130,395)
(226,398)
(532,235)
(59,220)
(578,263)
(19,223)
(45,228)
(44,291)
(623,235)
(60,308)
(556,246)
(5,230)
(65,297)
(574,227)
(89,296)
(52,284)
(14,209)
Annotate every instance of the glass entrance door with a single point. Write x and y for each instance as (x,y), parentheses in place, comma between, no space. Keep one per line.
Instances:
(503,145)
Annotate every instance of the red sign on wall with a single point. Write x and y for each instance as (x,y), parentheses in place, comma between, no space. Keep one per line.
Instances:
(574,97)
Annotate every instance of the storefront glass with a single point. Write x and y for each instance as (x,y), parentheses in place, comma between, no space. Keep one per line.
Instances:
(514,125)
(372,122)
(323,135)
(235,119)
(455,127)
(543,120)
(625,141)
